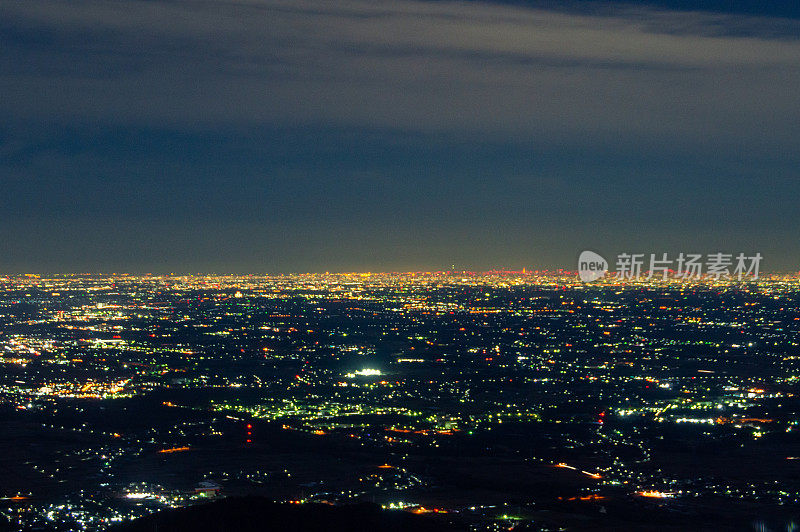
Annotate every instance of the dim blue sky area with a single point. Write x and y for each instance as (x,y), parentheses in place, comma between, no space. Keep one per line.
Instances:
(293,136)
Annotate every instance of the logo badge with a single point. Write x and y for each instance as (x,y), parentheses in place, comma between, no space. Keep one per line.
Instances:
(591,266)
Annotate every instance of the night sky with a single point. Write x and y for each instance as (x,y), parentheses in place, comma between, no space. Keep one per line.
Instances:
(293,136)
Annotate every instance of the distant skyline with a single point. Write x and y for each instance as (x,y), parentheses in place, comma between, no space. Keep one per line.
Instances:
(300,136)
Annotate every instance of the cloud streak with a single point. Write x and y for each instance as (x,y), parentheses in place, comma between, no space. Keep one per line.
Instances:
(411,65)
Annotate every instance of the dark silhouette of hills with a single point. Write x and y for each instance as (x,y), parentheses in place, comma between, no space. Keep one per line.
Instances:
(256,514)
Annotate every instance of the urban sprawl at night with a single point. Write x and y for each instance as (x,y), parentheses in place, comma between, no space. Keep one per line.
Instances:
(399,266)
(489,401)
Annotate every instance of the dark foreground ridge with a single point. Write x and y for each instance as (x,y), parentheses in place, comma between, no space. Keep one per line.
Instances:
(260,514)
(257,514)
